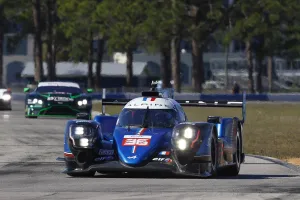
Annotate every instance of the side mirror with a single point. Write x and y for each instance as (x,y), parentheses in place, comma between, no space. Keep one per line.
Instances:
(26,90)
(89,90)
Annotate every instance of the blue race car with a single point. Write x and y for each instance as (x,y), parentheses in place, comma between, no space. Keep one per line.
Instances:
(152,134)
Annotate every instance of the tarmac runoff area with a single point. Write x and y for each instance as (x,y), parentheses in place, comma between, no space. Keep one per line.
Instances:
(29,170)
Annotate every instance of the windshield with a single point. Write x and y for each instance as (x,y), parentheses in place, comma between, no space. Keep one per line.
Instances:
(147,118)
(58,89)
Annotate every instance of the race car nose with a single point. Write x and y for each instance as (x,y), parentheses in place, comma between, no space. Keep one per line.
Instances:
(137,149)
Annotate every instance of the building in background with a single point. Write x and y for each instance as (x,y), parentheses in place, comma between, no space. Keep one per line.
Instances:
(113,74)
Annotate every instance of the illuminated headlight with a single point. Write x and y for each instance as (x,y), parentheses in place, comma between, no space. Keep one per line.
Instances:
(82,103)
(6,97)
(79,131)
(84,142)
(35,101)
(182,144)
(82,136)
(189,133)
(40,102)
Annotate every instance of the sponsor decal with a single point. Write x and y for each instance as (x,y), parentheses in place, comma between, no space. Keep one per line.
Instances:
(82,121)
(63,99)
(104,158)
(149,99)
(164,153)
(104,152)
(168,160)
(132,157)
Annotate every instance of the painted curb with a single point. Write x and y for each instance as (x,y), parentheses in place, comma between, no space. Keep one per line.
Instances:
(277,161)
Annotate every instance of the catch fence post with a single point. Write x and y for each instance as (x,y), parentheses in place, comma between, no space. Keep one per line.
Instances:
(103,97)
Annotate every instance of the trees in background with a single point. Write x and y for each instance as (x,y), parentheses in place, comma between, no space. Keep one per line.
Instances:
(12,14)
(265,28)
(51,22)
(2,21)
(206,18)
(67,31)
(77,24)
(38,50)
(122,22)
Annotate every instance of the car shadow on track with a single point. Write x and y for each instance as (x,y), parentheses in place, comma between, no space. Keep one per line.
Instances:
(256,176)
(170,176)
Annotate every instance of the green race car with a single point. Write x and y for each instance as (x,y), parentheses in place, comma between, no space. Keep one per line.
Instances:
(57,99)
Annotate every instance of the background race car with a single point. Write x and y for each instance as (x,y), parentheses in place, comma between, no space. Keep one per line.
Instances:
(5,99)
(56,99)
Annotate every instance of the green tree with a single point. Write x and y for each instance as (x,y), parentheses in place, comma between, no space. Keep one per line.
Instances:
(122,22)
(51,8)
(38,50)
(17,12)
(266,29)
(2,22)
(206,17)
(77,22)
(165,26)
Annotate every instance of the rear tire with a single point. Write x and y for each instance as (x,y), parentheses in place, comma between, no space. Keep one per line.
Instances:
(234,170)
(82,174)
(214,155)
(31,117)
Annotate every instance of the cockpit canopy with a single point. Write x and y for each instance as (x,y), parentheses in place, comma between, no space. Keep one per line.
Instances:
(147,118)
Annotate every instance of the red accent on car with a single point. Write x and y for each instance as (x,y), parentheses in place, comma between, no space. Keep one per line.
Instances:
(196,139)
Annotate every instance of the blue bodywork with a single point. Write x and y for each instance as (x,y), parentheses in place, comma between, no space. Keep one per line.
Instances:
(135,147)
(160,140)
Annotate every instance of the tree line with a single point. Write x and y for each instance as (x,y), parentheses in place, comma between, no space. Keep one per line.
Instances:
(65,30)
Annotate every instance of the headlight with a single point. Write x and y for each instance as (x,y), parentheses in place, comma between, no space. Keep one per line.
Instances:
(82,102)
(84,142)
(35,101)
(79,130)
(6,97)
(82,136)
(182,144)
(189,133)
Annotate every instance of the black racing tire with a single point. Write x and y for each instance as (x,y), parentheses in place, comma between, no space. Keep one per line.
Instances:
(31,117)
(234,170)
(82,174)
(214,155)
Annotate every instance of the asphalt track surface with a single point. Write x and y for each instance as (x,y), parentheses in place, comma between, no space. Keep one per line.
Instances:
(28,170)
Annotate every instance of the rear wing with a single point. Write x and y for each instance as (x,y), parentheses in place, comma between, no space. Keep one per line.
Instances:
(187,103)
(219,104)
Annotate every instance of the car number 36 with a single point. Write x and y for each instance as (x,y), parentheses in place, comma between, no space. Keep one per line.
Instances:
(136,142)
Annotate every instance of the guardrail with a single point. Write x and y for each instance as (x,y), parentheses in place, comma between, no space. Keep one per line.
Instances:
(289,97)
